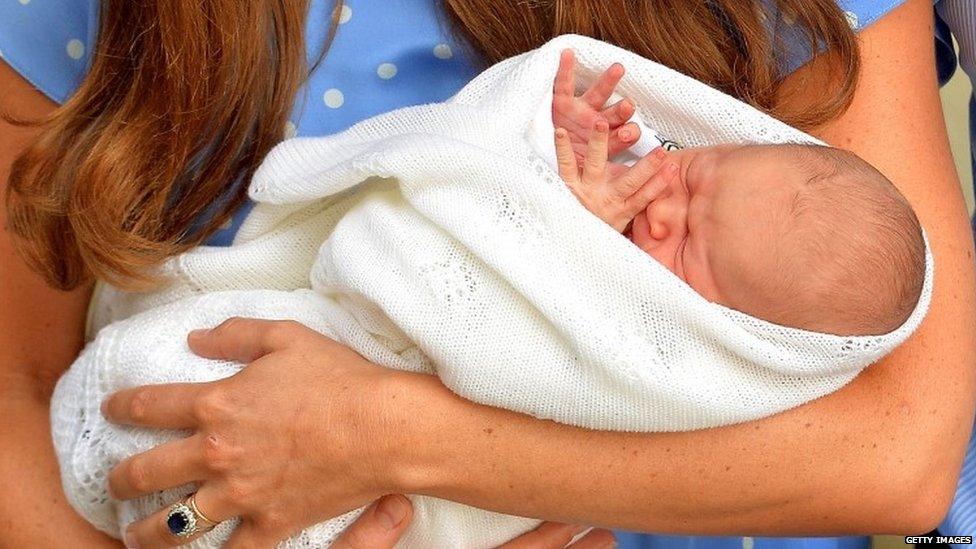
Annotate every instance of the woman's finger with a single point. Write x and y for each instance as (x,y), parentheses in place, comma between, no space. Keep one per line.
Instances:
(549,535)
(380,526)
(600,92)
(155,530)
(166,466)
(242,340)
(566,158)
(596,539)
(595,163)
(167,406)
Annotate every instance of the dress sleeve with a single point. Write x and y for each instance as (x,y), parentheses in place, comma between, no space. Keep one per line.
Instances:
(859,14)
(49,42)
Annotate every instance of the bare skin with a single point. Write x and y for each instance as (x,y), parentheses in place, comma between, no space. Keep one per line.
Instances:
(881,455)
(34,512)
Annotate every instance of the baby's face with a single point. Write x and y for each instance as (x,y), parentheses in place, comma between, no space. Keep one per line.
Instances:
(717,226)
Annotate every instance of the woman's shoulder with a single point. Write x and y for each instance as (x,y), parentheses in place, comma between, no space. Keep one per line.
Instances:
(49,42)
(861,13)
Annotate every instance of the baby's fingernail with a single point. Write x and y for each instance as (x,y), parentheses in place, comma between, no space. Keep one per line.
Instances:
(392,510)
(130,540)
(199,333)
(625,135)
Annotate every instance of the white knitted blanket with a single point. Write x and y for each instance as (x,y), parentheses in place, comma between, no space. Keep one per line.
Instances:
(437,239)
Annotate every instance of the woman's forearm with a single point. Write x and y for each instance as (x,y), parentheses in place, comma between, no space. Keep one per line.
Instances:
(33,509)
(844,464)
(880,455)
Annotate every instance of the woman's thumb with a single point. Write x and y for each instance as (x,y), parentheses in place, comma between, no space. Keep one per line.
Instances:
(380,526)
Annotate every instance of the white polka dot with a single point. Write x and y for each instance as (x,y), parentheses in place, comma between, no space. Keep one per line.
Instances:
(24,2)
(386,71)
(345,14)
(333,98)
(290,130)
(76,48)
(851,18)
(748,543)
(443,51)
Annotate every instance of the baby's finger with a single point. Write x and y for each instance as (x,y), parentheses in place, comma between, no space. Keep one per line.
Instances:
(638,202)
(623,138)
(603,88)
(619,113)
(634,178)
(565,83)
(595,164)
(566,158)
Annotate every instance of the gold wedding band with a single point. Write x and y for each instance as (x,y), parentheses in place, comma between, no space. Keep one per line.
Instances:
(191,502)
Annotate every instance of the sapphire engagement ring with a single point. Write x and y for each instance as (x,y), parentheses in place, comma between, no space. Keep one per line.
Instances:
(185,518)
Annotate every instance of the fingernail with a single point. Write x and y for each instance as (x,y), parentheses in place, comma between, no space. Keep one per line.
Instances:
(625,135)
(130,540)
(103,408)
(199,333)
(392,510)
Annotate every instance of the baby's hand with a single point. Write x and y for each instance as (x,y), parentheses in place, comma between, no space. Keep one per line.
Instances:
(615,196)
(578,114)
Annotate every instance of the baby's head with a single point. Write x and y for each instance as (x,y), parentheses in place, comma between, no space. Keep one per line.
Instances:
(800,235)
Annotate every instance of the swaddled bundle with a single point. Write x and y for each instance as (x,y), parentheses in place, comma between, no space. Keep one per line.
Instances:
(436,239)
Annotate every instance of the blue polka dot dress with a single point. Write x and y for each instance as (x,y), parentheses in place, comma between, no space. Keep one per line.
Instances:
(386,54)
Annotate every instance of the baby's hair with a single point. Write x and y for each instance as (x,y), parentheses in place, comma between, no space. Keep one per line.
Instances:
(859,255)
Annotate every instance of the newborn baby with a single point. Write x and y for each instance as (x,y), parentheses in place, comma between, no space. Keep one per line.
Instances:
(434,239)
(799,235)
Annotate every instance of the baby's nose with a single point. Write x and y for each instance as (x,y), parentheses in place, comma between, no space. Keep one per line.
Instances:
(665,216)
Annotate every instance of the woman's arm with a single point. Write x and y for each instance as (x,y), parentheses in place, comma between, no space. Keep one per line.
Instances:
(880,455)
(40,334)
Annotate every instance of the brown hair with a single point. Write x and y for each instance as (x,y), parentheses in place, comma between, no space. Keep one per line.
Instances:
(182,101)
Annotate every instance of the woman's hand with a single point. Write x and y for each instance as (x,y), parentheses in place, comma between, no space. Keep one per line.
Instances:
(382,525)
(297,437)
(293,439)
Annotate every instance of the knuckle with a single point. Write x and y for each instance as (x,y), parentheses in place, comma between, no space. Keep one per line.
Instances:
(217,456)
(229,324)
(238,494)
(139,404)
(138,476)
(211,406)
